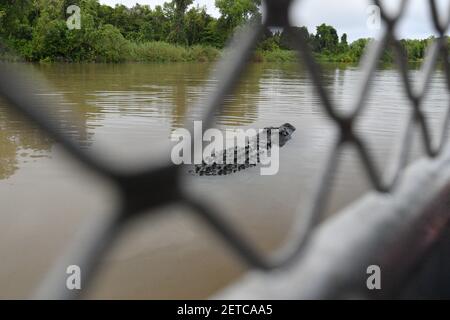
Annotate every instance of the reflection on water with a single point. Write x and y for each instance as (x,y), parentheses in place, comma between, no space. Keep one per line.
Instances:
(18,140)
(127,112)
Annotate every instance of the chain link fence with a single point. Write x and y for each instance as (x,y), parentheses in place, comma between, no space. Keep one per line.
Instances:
(161,184)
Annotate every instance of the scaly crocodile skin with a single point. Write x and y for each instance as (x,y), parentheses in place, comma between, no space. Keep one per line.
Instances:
(213,168)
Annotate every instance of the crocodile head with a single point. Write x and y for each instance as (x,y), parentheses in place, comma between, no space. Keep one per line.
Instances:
(285,132)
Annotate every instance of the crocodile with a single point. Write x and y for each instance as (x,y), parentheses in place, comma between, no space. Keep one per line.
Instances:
(215,167)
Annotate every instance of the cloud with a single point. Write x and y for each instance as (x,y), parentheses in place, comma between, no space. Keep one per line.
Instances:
(349,16)
(209,4)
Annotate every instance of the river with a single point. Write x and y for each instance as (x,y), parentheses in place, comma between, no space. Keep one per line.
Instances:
(127,113)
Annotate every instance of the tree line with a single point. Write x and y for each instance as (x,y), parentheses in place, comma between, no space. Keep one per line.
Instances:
(178,30)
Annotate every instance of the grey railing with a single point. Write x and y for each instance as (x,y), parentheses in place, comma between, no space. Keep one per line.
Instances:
(161,184)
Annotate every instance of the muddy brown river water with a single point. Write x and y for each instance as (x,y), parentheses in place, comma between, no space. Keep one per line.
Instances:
(127,114)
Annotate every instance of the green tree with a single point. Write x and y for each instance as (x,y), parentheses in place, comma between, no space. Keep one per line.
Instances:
(357,48)
(36,29)
(178,32)
(196,24)
(234,13)
(415,49)
(287,40)
(211,35)
(326,39)
(80,43)
(49,32)
(110,45)
(155,26)
(16,31)
(14,17)
(49,39)
(343,44)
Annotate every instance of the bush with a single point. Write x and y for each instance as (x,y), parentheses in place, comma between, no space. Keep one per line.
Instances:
(270,44)
(280,55)
(156,51)
(203,53)
(49,40)
(110,45)
(357,48)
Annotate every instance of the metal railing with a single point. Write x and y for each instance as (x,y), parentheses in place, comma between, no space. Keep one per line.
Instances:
(161,184)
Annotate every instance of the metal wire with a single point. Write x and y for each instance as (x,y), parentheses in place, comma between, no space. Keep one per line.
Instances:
(159,185)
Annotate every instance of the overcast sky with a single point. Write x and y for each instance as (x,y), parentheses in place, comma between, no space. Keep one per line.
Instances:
(349,16)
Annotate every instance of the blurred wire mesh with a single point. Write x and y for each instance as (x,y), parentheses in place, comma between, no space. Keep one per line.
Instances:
(160,184)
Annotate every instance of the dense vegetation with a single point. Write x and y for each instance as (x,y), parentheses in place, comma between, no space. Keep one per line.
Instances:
(36,30)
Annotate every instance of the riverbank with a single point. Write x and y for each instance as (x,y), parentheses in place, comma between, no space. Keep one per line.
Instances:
(164,52)
(38,32)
